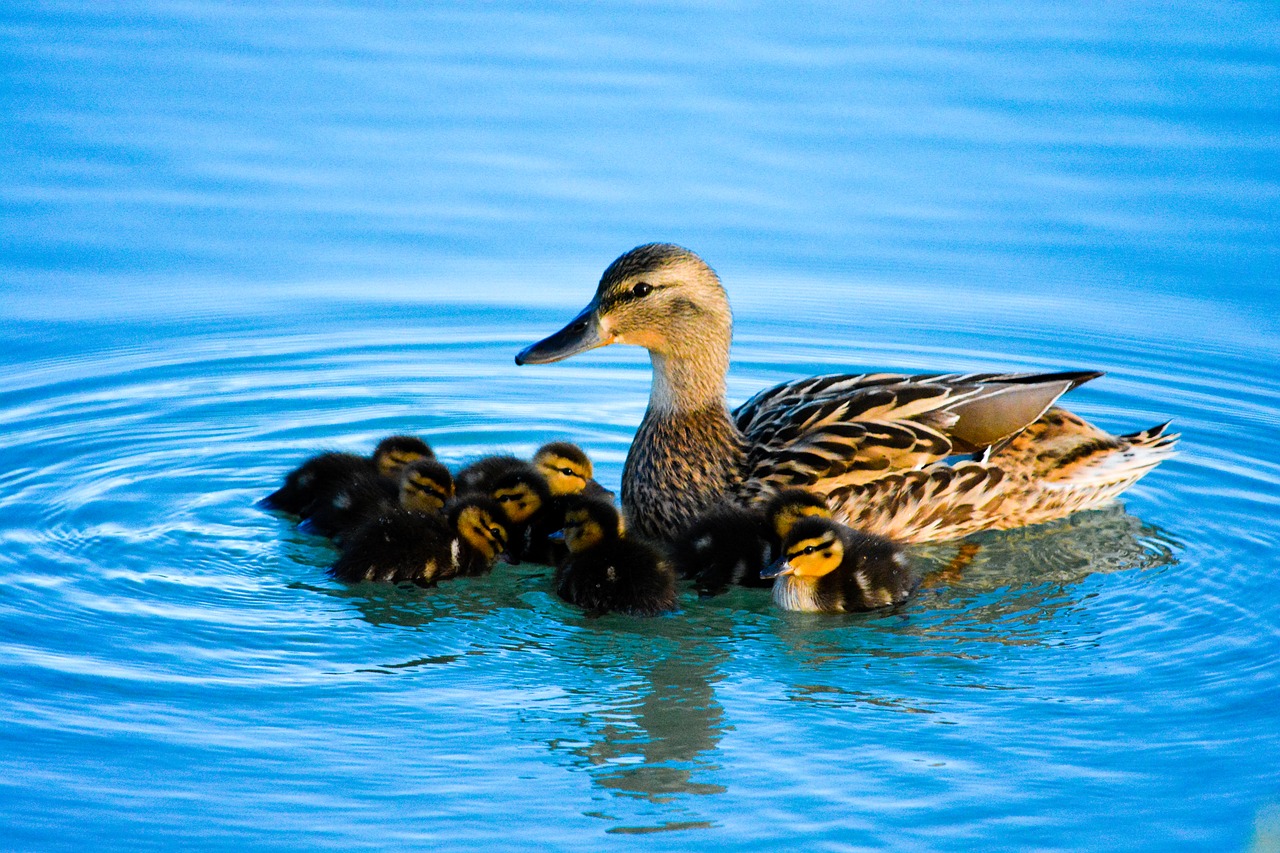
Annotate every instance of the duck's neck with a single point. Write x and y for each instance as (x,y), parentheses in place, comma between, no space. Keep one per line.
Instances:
(683,385)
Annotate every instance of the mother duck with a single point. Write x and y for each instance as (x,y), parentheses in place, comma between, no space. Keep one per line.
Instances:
(916,458)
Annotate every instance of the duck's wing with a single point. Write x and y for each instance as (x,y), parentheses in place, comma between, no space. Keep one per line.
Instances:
(830,431)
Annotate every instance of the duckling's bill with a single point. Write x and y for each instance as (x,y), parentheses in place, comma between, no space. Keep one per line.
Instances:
(581,334)
(777,568)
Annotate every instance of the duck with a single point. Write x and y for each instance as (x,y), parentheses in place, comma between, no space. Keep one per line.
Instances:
(828,567)
(425,486)
(404,545)
(320,476)
(524,497)
(607,571)
(917,458)
(568,472)
(732,544)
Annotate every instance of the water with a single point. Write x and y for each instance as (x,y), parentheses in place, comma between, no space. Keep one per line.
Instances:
(234,237)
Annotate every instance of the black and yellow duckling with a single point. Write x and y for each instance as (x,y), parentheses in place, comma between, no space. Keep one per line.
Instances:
(733,544)
(826,567)
(479,477)
(919,458)
(524,497)
(423,548)
(425,486)
(606,572)
(568,472)
(321,476)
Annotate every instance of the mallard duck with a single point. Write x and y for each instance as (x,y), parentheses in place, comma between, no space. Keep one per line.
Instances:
(409,546)
(917,458)
(425,486)
(732,544)
(321,476)
(826,567)
(607,572)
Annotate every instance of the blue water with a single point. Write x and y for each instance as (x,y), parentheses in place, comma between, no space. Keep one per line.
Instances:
(231,237)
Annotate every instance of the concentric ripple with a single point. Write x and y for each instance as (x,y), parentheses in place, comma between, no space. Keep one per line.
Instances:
(168,646)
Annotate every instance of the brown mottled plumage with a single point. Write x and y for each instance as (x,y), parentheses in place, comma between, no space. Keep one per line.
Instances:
(879,446)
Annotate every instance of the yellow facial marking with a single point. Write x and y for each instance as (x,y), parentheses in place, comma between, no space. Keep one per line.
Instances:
(581,531)
(423,494)
(787,516)
(519,502)
(481,532)
(813,558)
(391,464)
(564,476)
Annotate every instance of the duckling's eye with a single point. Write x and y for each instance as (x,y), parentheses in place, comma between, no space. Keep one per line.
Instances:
(568,472)
(496,531)
(641,290)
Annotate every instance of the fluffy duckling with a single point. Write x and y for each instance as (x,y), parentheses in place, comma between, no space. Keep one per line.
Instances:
(479,477)
(406,545)
(733,544)
(826,567)
(317,477)
(608,573)
(425,486)
(523,494)
(321,476)
(394,452)
(568,472)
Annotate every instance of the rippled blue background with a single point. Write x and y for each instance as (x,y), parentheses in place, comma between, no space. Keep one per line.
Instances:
(232,236)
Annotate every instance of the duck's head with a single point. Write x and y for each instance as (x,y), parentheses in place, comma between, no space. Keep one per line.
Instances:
(425,486)
(397,451)
(521,494)
(659,296)
(566,467)
(813,548)
(590,522)
(790,505)
(481,523)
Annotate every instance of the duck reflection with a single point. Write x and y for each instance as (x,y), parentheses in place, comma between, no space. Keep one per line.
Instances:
(656,736)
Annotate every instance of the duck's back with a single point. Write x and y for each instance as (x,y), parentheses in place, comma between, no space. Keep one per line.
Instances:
(623,577)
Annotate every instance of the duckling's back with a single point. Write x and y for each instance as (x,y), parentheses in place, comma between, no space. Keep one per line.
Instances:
(398,545)
(624,576)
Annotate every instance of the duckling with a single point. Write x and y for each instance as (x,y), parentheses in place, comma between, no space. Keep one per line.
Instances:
(568,472)
(321,476)
(523,494)
(826,567)
(407,545)
(733,544)
(313,479)
(425,486)
(892,453)
(606,572)
(394,452)
(478,478)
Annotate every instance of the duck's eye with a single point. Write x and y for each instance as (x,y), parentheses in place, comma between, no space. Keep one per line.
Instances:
(642,289)
(496,531)
(568,472)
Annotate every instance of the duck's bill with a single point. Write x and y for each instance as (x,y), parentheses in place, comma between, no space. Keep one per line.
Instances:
(778,567)
(582,334)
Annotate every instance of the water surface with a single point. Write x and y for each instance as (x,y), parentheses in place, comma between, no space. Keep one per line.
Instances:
(233,238)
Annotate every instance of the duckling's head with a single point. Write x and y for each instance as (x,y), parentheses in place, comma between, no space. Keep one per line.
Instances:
(566,467)
(790,505)
(425,486)
(481,524)
(521,493)
(659,296)
(590,522)
(813,548)
(397,451)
